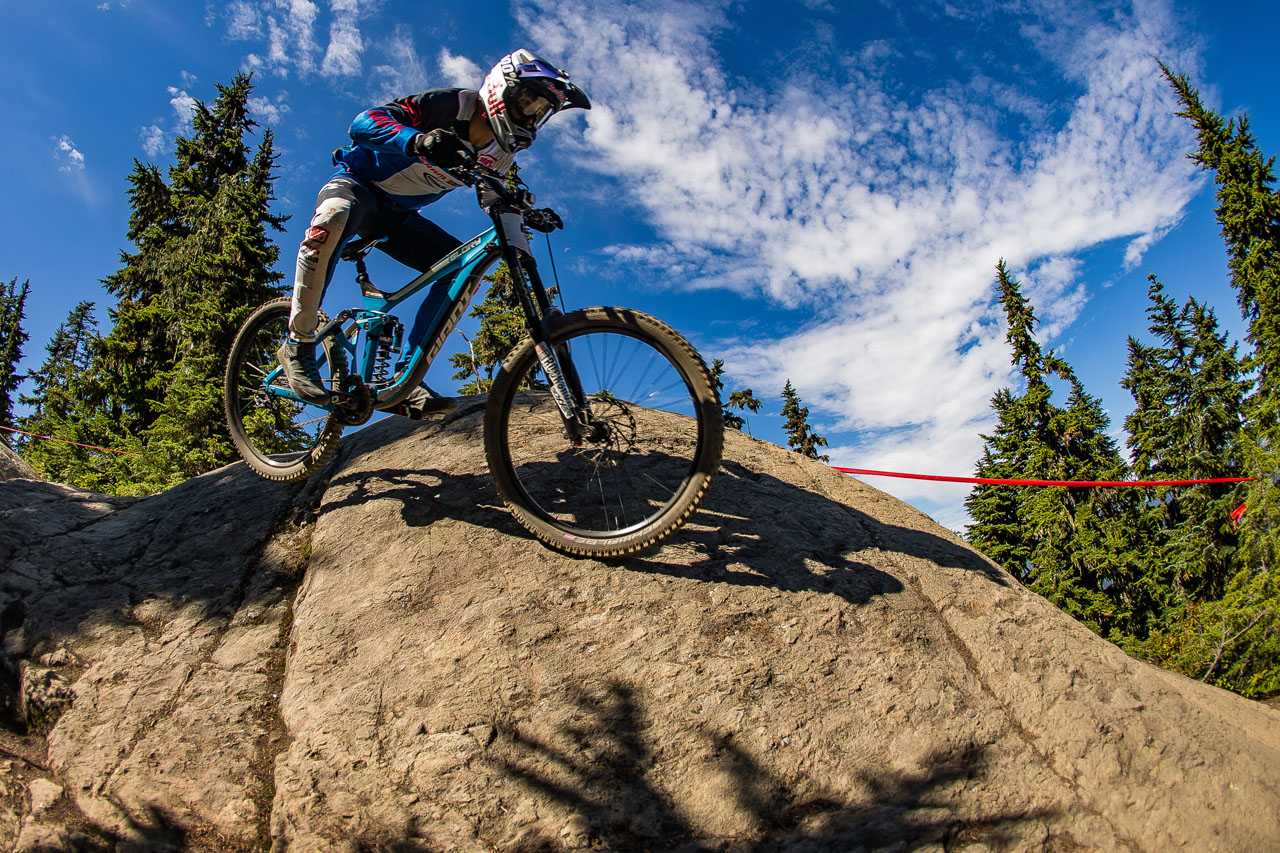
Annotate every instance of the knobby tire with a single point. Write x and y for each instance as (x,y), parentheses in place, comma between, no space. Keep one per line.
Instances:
(272,445)
(631,490)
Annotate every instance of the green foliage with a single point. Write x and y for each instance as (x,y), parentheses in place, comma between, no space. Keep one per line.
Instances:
(1070,545)
(800,437)
(202,260)
(1248,213)
(1233,642)
(56,402)
(502,326)
(1222,624)
(12,336)
(1188,391)
(742,400)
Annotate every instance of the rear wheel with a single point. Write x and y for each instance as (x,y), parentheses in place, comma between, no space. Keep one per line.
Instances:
(280,438)
(647,462)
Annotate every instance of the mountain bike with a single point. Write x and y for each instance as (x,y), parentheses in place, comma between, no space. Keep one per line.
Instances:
(602,428)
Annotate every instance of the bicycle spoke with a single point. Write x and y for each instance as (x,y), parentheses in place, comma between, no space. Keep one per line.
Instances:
(641,466)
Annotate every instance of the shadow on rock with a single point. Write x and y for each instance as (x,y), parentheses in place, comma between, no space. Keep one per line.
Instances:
(776,531)
(746,553)
(602,771)
(755,530)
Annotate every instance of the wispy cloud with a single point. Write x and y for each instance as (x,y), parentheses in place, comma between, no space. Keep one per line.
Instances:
(459,70)
(289,30)
(71,165)
(404,71)
(184,106)
(342,57)
(269,110)
(68,156)
(834,188)
(154,140)
(157,138)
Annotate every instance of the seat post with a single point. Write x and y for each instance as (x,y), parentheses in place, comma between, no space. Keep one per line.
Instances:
(362,275)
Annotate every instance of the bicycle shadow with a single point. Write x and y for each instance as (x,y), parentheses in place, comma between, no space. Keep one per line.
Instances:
(754,530)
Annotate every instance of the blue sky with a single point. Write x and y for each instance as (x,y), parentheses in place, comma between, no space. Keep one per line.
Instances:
(813,190)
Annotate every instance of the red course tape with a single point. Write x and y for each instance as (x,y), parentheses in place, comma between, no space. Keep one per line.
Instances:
(987,481)
(64,441)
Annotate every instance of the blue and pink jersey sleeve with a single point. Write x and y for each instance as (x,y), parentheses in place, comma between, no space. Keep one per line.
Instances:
(389,128)
(379,130)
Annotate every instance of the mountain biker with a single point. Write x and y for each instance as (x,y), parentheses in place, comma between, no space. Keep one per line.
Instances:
(400,162)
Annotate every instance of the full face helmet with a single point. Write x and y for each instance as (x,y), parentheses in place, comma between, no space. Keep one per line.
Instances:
(521,93)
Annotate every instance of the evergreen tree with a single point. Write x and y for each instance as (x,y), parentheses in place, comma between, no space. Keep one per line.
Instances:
(502,326)
(800,437)
(203,261)
(60,409)
(1188,391)
(730,419)
(1249,215)
(1069,544)
(13,302)
(743,400)
(68,356)
(1016,447)
(1234,641)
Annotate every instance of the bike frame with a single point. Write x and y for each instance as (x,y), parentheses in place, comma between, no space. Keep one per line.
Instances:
(453,282)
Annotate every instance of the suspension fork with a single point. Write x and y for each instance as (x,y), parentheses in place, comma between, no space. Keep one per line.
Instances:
(556,362)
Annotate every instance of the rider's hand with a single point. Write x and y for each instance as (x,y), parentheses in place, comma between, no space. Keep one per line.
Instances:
(543,219)
(444,149)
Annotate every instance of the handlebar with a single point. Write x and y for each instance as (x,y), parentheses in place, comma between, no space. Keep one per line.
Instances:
(482,177)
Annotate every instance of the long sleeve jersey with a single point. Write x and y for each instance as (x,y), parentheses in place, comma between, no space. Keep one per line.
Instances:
(380,158)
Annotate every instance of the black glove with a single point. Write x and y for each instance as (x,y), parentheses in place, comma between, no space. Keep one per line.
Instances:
(543,219)
(444,149)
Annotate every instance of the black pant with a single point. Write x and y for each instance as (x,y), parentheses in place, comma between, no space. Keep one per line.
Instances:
(412,239)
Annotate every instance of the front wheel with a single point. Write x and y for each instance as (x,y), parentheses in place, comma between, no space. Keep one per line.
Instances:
(280,438)
(649,457)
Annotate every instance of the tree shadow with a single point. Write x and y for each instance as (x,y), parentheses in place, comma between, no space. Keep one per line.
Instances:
(154,830)
(603,771)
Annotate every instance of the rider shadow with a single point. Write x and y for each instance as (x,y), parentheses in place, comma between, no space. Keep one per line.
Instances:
(754,530)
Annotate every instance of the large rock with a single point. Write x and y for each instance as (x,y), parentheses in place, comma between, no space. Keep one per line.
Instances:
(144,637)
(810,665)
(12,466)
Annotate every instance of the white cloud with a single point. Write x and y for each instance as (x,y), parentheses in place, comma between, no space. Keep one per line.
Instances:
(342,58)
(68,157)
(153,139)
(267,110)
(157,139)
(243,20)
(184,106)
(459,71)
(71,165)
(882,210)
(404,72)
(289,29)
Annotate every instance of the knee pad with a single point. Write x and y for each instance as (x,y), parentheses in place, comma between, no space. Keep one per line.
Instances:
(315,261)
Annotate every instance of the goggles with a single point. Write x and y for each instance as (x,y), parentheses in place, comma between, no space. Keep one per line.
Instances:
(537,101)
